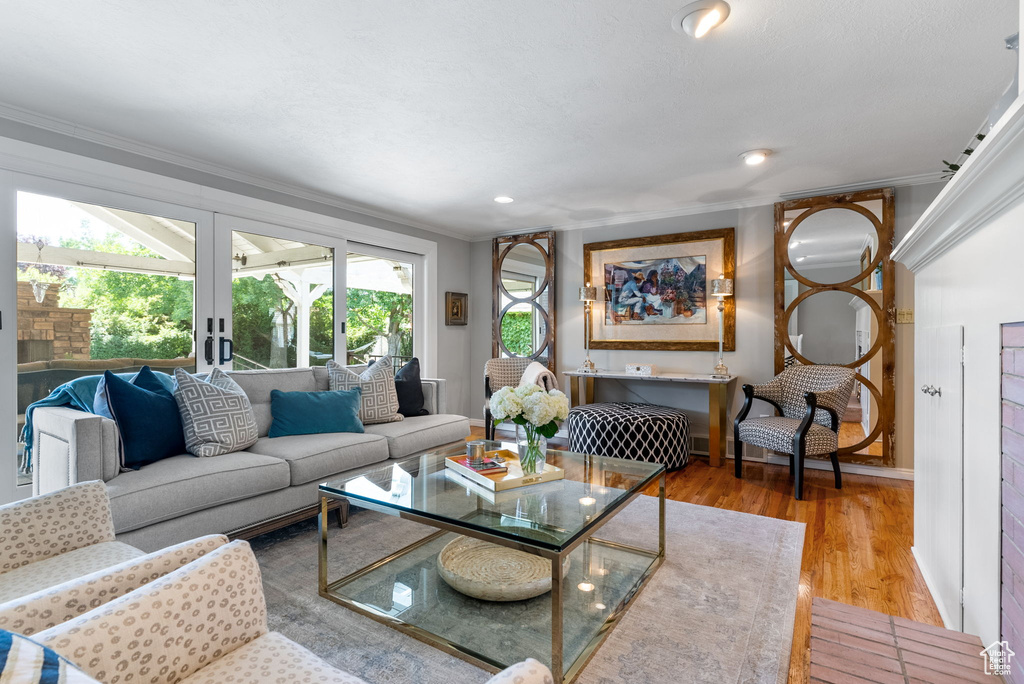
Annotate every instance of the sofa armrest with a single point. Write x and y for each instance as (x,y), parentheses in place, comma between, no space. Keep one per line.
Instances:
(435,395)
(34,529)
(50,607)
(189,618)
(72,446)
(527,672)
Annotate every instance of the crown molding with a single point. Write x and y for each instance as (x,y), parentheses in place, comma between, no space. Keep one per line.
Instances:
(695,208)
(63,127)
(990,182)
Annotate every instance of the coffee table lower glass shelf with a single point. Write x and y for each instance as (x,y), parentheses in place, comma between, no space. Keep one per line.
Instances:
(561,628)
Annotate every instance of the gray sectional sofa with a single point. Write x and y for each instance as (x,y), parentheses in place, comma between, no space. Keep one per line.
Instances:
(275,479)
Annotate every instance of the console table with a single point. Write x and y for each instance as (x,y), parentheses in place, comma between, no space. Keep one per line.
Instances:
(582,385)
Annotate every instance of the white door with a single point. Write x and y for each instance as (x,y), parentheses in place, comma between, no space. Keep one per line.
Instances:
(280,297)
(938,466)
(93,280)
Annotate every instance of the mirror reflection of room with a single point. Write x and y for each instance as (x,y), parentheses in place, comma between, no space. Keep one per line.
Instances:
(830,247)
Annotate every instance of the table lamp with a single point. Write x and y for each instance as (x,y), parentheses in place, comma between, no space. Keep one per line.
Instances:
(721,287)
(589,295)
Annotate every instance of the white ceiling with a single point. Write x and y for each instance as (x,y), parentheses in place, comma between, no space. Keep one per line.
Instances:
(584,111)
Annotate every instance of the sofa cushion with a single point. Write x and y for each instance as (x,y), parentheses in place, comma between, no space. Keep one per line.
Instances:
(55,570)
(311,457)
(379,403)
(258,384)
(216,414)
(421,433)
(183,484)
(313,413)
(147,418)
(271,658)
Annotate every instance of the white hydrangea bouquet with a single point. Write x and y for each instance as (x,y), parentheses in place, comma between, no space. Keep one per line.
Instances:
(537,412)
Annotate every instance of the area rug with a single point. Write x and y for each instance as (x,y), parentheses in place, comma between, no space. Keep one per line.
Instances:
(719,609)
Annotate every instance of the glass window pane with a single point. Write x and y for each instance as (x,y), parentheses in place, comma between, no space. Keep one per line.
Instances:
(98,289)
(379,296)
(282,302)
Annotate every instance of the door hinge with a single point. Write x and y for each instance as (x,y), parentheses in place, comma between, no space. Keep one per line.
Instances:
(962,596)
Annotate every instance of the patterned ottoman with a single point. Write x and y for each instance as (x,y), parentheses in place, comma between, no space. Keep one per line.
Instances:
(642,432)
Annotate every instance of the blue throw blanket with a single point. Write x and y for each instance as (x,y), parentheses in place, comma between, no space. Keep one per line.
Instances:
(77,394)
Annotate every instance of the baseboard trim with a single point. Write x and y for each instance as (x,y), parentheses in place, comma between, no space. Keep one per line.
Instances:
(851,468)
(943,613)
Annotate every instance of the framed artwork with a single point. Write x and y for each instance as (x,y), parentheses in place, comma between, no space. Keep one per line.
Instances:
(658,291)
(456,308)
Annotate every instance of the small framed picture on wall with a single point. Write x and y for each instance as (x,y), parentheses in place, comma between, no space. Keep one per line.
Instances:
(456,308)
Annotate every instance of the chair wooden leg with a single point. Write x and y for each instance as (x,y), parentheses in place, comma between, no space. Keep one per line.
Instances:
(835,466)
(738,447)
(798,475)
(488,425)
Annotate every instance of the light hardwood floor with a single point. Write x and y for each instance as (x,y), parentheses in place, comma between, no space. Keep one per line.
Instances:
(857,541)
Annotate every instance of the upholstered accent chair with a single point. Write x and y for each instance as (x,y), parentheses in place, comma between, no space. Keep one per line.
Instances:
(500,373)
(204,623)
(56,537)
(812,400)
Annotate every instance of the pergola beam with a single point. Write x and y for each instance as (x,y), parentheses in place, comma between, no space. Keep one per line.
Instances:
(87,258)
(145,230)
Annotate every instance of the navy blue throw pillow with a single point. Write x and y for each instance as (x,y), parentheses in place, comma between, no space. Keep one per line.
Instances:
(409,389)
(311,413)
(147,418)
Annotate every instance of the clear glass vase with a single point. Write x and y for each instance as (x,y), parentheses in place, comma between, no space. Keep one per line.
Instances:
(533,449)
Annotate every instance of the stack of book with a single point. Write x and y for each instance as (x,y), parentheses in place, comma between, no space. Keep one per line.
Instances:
(500,470)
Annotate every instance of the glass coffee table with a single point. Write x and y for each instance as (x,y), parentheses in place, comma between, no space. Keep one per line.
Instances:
(593,581)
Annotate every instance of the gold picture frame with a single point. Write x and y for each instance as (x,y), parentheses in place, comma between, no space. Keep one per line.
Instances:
(659,291)
(456,308)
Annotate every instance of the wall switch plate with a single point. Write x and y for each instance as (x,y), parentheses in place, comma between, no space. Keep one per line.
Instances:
(904,315)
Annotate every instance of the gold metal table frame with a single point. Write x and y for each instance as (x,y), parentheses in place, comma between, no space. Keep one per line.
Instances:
(330,589)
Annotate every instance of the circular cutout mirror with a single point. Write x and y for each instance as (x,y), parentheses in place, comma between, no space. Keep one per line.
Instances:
(833,327)
(833,246)
(524,331)
(523,270)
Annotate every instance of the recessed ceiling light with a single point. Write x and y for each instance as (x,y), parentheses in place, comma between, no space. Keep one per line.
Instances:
(585,586)
(502,199)
(697,18)
(755,157)
(801,258)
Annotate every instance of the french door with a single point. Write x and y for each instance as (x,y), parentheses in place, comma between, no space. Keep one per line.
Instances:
(279,297)
(93,280)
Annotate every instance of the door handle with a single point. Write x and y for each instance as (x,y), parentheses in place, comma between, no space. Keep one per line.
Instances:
(924,389)
(224,358)
(208,350)
(931,390)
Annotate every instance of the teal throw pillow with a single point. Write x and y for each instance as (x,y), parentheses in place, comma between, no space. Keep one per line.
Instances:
(310,413)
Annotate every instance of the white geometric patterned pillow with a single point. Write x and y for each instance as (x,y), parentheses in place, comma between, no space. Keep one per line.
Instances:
(216,415)
(379,403)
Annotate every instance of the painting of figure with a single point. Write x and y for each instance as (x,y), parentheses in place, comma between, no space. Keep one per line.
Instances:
(670,291)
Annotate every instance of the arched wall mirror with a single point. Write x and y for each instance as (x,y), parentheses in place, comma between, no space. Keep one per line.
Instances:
(835,304)
(523,305)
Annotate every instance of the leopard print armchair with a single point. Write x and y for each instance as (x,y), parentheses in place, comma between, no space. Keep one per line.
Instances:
(811,401)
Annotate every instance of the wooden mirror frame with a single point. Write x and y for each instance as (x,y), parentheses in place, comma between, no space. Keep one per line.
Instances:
(501,246)
(884,391)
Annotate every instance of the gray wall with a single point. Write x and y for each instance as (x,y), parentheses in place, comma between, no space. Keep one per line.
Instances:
(827,320)
(453,254)
(753,359)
